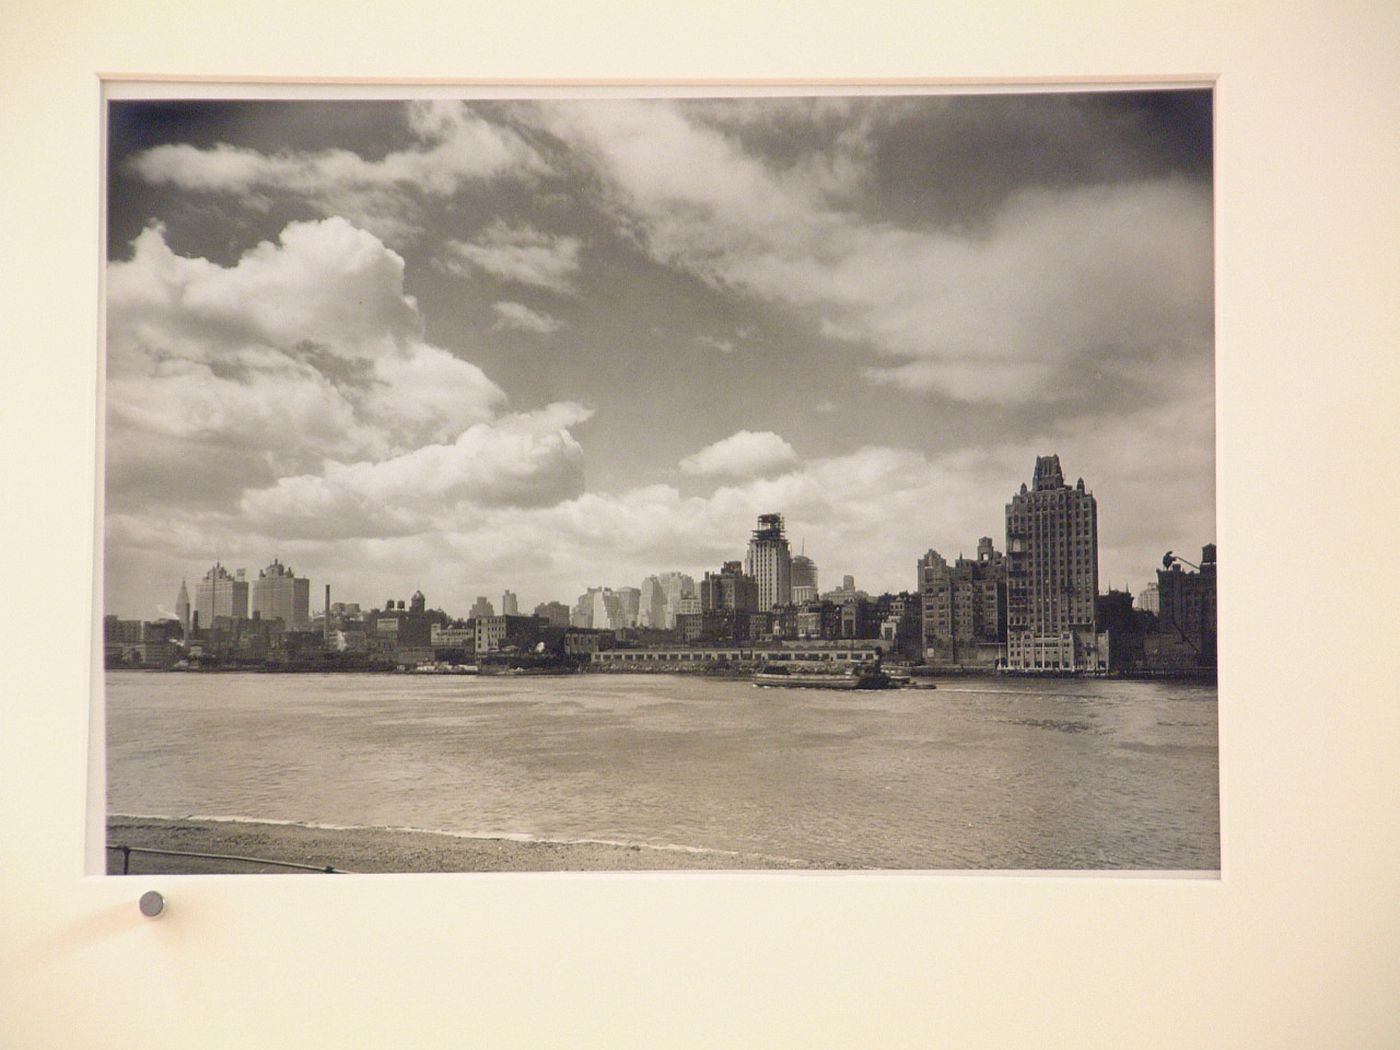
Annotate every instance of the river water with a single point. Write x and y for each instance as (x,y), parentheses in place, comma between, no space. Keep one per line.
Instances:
(981,773)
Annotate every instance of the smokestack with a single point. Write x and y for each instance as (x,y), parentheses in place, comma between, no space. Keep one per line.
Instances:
(327,617)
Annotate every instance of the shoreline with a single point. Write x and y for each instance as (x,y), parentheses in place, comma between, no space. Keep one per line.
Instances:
(386,850)
(1203,676)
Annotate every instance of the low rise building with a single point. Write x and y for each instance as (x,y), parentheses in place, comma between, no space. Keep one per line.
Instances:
(349,640)
(583,641)
(497,633)
(454,636)
(400,626)
(690,627)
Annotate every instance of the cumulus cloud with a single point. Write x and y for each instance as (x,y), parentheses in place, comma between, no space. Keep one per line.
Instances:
(307,346)
(522,318)
(746,454)
(455,147)
(1056,279)
(326,282)
(519,460)
(298,377)
(521,254)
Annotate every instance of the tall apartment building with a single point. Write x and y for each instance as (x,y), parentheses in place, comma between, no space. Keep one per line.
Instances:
(482,607)
(510,604)
(1052,550)
(963,606)
(280,594)
(730,588)
(221,593)
(769,562)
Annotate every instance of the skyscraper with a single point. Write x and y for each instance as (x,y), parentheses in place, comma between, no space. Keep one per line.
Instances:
(482,607)
(769,562)
(182,609)
(629,603)
(677,587)
(607,609)
(581,615)
(804,579)
(660,598)
(279,594)
(221,593)
(651,604)
(1052,549)
(601,609)
(510,604)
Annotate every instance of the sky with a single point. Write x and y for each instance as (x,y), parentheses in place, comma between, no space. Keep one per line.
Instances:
(548,344)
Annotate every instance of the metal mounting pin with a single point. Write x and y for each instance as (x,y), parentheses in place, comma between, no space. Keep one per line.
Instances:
(152,904)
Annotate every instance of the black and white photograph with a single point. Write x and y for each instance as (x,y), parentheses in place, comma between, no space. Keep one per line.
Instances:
(728,480)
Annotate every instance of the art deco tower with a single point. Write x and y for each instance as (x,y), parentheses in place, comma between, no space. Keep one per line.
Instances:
(1052,549)
(769,562)
(182,609)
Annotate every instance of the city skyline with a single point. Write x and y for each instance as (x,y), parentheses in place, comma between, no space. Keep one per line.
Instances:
(985,547)
(547,346)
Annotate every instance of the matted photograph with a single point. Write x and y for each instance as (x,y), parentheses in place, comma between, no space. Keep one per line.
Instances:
(624,480)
